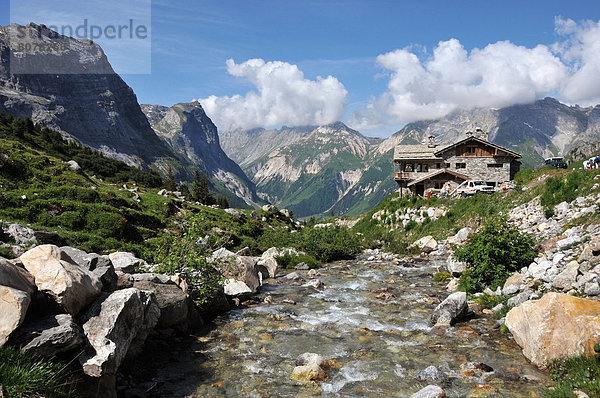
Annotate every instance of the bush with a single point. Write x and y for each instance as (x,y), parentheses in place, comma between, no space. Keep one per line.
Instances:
(442,276)
(289,261)
(492,255)
(24,376)
(582,373)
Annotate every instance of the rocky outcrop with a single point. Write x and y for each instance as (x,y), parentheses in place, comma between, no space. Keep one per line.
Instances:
(555,326)
(187,129)
(77,93)
(451,310)
(72,287)
(110,325)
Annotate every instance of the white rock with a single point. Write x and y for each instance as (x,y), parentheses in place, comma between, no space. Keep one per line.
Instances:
(13,307)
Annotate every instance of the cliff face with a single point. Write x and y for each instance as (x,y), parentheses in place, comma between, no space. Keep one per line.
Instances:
(88,102)
(190,133)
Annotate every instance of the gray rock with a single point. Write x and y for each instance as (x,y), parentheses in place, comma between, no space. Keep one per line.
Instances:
(430,391)
(125,261)
(50,335)
(568,277)
(220,255)
(569,242)
(16,277)
(431,374)
(591,289)
(519,298)
(461,236)
(294,276)
(244,252)
(454,266)
(452,309)
(152,314)
(21,234)
(233,212)
(235,288)
(512,284)
(101,266)
(172,302)
(110,325)
(314,283)
(73,165)
(302,267)
(151,277)
(270,264)
(538,270)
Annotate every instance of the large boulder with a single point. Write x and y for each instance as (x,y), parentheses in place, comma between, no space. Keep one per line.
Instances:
(50,335)
(452,309)
(172,301)
(430,391)
(235,288)
(16,277)
(244,269)
(110,325)
(427,244)
(13,307)
(21,233)
(125,261)
(557,326)
(512,284)
(101,266)
(270,265)
(72,286)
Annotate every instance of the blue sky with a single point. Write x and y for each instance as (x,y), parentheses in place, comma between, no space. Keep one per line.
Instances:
(299,41)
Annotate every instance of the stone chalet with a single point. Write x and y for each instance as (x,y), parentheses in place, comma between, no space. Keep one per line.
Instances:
(429,168)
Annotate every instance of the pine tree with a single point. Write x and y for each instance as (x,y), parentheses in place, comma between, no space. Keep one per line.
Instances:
(223,202)
(170,183)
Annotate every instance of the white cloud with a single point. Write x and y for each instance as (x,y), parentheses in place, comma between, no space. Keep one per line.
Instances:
(581,51)
(283,96)
(498,75)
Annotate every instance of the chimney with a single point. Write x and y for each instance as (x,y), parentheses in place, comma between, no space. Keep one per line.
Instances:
(482,134)
(469,133)
(432,143)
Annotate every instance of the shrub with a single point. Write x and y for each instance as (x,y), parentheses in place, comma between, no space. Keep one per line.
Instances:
(493,254)
(442,276)
(582,373)
(289,260)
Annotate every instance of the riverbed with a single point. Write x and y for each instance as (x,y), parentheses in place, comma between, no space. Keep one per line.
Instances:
(371,320)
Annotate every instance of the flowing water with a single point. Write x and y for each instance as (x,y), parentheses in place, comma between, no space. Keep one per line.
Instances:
(370,320)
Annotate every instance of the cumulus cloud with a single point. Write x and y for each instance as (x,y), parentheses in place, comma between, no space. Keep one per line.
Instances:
(282,96)
(498,75)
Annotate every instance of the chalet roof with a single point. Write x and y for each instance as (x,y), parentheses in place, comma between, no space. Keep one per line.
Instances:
(414,152)
(479,140)
(436,173)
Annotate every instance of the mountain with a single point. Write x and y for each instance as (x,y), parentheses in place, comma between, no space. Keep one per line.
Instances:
(187,129)
(310,175)
(335,168)
(90,103)
(246,146)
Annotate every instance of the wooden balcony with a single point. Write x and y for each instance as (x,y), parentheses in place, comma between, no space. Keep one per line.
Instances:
(402,175)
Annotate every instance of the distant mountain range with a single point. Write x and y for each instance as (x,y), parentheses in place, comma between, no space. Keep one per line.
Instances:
(336,169)
(93,105)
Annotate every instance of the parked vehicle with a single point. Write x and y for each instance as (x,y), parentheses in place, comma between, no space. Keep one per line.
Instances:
(557,162)
(471,187)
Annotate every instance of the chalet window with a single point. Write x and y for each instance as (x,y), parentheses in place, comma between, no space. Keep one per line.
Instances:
(471,150)
(419,167)
(438,165)
(495,165)
(461,165)
(425,167)
(408,167)
(437,185)
(447,165)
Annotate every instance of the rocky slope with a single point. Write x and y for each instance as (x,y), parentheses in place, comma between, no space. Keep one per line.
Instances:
(191,134)
(88,102)
(246,146)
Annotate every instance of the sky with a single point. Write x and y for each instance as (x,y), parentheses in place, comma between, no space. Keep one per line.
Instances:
(376,65)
